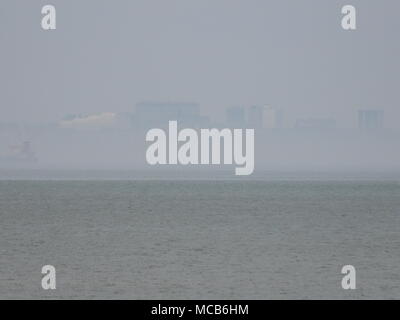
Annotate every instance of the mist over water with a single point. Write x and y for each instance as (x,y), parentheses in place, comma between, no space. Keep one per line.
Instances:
(77,192)
(75,93)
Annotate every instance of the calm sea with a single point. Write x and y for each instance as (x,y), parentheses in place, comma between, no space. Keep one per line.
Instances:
(150,239)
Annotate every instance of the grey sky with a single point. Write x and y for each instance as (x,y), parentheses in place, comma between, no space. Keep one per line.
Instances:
(108,55)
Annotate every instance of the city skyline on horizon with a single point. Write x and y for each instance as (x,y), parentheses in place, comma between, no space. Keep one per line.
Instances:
(218,54)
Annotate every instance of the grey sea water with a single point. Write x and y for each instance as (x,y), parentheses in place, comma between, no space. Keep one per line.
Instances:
(200,239)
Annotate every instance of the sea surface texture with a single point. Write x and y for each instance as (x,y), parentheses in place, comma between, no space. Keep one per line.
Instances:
(200,239)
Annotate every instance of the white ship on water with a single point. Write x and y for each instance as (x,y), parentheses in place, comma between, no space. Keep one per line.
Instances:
(18,154)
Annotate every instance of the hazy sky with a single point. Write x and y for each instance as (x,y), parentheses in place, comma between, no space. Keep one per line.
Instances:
(108,55)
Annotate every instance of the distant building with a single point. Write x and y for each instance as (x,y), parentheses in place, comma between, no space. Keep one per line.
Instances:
(155,114)
(235,117)
(255,117)
(370,119)
(273,117)
(315,123)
